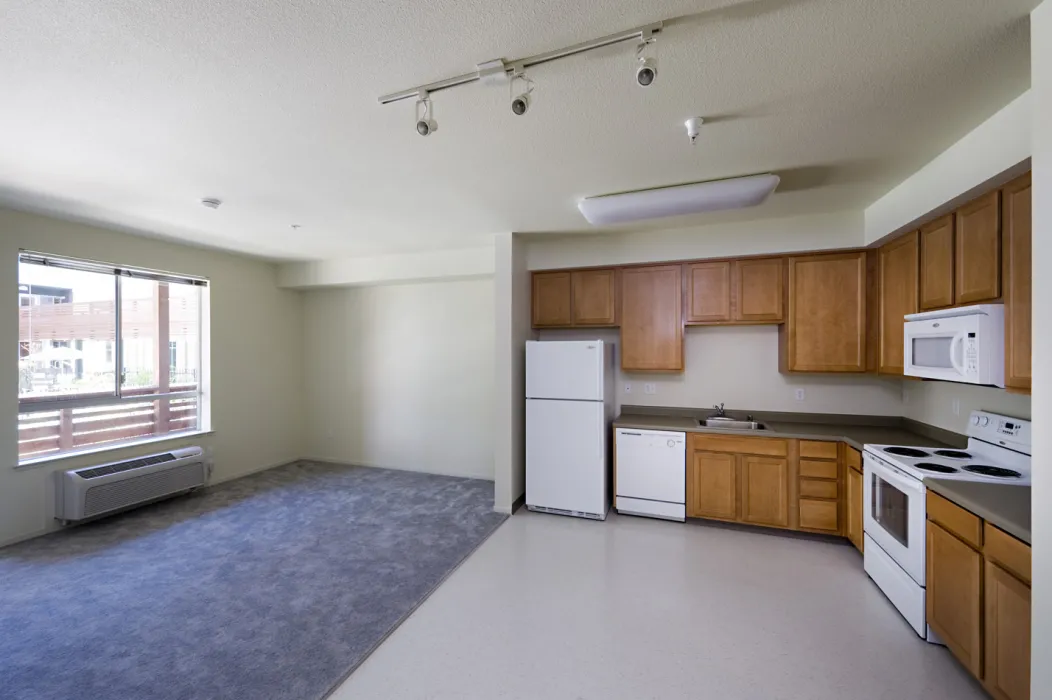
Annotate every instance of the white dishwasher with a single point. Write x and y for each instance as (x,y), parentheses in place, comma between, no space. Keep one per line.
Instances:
(651,473)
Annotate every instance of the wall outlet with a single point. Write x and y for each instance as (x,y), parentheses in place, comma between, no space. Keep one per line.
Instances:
(628,387)
(801,394)
(649,388)
(956,407)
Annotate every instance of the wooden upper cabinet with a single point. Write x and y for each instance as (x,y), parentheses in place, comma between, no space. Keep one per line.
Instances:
(552,299)
(712,486)
(1016,229)
(594,297)
(977,251)
(936,263)
(710,292)
(652,319)
(1007,631)
(899,272)
(954,596)
(826,326)
(759,288)
(765,490)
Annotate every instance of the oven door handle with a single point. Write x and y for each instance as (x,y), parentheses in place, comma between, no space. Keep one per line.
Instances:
(957,340)
(904,483)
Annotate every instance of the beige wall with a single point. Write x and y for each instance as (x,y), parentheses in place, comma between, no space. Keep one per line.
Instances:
(1041,78)
(401,376)
(738,366)
(785,235)
(512,328)
(256,360)
(946,405)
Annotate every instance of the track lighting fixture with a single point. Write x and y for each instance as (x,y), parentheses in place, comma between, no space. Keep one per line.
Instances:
(425,122)
(646,66)
(520,103)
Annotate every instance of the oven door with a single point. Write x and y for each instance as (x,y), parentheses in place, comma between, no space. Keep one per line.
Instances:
(894,508)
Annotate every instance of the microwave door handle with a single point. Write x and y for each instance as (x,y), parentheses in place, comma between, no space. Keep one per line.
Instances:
(958,366)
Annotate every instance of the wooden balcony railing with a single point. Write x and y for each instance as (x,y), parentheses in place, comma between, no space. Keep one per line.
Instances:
(44,432)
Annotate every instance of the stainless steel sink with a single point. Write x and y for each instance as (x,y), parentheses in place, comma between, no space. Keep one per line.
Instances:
(730,423)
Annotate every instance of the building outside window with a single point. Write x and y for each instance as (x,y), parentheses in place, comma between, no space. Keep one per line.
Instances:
(106,354)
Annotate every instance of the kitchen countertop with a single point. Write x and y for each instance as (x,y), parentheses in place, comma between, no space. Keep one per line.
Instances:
(1003,505)
(809,428)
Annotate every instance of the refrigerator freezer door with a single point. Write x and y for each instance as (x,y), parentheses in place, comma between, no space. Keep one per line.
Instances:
(571,370)
(566,456)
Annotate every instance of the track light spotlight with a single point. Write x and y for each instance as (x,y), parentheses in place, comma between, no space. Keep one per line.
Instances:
(646,66)
(520,104)
(425,121)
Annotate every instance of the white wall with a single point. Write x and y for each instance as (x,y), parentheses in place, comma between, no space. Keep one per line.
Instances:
(933,403)
(801,233)
(462,263)
(256,356)
(962,171)
(401,376)
(512,328)
(1041,81)
(738,366)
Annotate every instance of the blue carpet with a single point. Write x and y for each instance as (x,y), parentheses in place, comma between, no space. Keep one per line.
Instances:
(276,585)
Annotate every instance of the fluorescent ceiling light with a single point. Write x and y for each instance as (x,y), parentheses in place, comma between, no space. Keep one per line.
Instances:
(735,193)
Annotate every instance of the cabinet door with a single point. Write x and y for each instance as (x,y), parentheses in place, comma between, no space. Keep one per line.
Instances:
(854,509)
(765,491)
(1018,273)
(712,486)
(759,290)
(594,297)
(953,596)
(977,259)
(710,292)
(826,328)
(899,272)
(551,299)
(651,319)
(936,255)
(1007,667)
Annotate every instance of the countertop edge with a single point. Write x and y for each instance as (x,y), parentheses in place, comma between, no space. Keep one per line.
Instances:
(996,519)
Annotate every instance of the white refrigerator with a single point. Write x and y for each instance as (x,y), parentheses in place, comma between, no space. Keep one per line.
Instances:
(569,406)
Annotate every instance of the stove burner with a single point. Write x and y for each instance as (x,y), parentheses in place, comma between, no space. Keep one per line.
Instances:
(953,454)
(906,452)
(987,470)
(933,467)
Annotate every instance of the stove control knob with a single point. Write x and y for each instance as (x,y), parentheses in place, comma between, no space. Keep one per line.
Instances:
(975,420)
(984,421)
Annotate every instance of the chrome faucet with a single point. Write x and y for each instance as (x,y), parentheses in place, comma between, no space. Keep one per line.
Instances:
(720,413)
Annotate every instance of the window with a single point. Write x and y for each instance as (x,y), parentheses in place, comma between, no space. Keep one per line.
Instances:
(106,354)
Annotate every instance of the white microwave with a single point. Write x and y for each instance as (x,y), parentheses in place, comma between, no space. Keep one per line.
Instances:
(965,344)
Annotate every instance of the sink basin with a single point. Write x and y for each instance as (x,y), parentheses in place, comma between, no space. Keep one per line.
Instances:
(730,424)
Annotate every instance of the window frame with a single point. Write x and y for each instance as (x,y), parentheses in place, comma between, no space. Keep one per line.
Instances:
(40,404)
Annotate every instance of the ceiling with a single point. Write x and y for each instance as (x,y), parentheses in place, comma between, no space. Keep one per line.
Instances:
(127,113)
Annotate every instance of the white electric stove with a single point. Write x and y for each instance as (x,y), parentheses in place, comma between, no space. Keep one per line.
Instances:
(894,507)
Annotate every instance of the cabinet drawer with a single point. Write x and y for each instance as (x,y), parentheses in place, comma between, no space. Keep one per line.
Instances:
(1011,554)
(955,519)
(739,445)
(853,459)
(818,450)
(818,489)
(819,515)
(818,470)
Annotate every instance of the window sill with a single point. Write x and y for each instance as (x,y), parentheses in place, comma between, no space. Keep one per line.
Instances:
(52,459)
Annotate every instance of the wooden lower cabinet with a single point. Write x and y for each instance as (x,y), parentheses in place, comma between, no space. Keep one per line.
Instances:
(712,486)
(819,515)
(1007,630)
(854,506)
(954,596)
(765,490)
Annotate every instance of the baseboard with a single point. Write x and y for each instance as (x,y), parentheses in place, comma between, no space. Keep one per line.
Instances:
(339,463)
(519,503)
